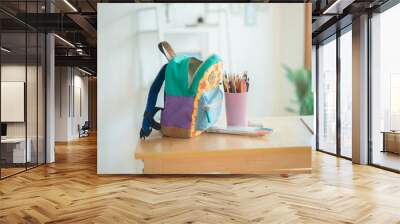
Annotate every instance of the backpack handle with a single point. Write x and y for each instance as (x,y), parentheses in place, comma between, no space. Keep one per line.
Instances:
(148,122)
(166,49)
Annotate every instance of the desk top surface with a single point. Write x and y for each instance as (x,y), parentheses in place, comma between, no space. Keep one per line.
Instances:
(288,132)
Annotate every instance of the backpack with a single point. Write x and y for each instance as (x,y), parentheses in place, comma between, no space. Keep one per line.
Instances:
(192,95)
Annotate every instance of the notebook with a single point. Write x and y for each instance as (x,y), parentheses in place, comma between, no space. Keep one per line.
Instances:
(235,130)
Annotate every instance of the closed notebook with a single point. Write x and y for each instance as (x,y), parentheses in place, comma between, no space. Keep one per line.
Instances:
(235,130)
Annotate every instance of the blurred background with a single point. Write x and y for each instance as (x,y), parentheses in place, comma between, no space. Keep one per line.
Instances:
(258,38)
(266,40)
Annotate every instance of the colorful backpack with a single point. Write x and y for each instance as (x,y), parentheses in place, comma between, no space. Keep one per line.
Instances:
(192,99)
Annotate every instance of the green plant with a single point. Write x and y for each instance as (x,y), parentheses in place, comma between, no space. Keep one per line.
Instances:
(302,80)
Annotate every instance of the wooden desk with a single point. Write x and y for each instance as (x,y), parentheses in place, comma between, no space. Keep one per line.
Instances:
(14,152)
(286,150)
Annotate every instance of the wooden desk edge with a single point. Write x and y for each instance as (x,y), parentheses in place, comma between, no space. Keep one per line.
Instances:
(229,152)
(264,172)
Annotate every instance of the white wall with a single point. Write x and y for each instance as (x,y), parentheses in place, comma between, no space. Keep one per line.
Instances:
(61,103)
(15,72)
(80,105)
(11,73)
(68,82)
(274,38)
(119,98)
(33,127)
(128,62)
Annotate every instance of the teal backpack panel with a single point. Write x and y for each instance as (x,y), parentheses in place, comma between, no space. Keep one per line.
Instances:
(176,78)
(176,75)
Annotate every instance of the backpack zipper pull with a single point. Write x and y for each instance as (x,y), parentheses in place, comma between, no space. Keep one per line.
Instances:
(208,116)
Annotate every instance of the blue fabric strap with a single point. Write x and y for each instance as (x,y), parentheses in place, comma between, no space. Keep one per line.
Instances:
(148,118)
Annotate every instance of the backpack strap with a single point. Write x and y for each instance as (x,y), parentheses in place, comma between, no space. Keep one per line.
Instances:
(166,49)
(148,118)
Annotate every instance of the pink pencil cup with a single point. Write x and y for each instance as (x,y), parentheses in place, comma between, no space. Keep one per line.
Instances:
(236,109)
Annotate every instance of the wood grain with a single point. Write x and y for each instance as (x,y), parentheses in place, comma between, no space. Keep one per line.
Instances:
(70,191)
(286,149)
(288,132)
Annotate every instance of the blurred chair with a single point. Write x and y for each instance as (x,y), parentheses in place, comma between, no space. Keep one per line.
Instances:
(84,130)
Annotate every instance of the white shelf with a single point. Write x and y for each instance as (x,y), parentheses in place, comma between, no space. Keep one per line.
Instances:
(182,30)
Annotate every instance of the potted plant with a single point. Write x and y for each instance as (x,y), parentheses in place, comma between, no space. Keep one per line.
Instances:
(302,80)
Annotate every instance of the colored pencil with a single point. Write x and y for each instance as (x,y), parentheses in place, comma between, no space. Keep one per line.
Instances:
(236,83)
